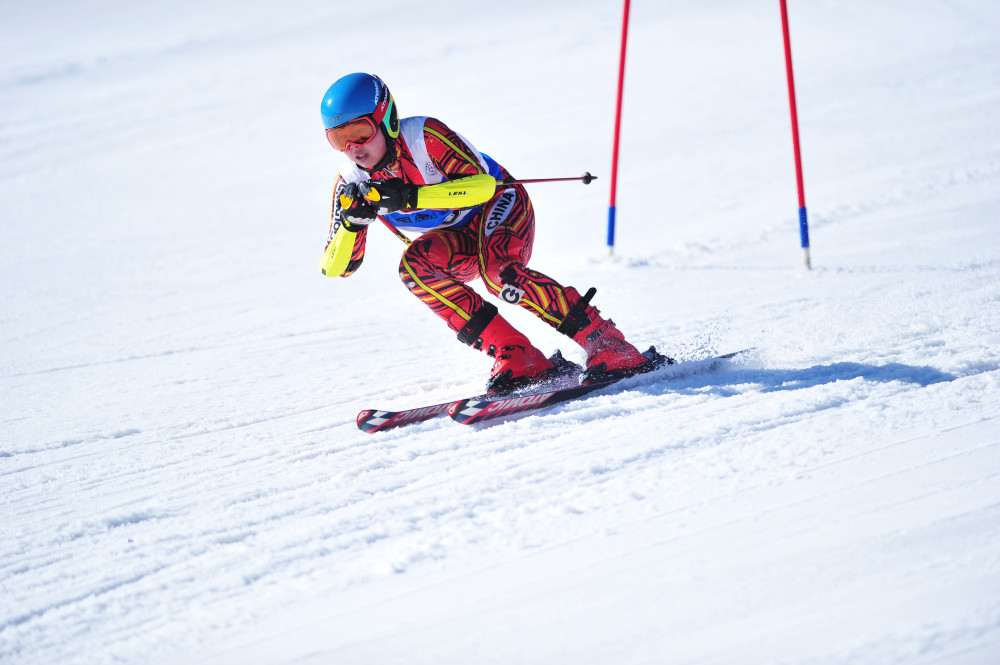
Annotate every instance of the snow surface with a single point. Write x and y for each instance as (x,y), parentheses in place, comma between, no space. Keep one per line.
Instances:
(182,478)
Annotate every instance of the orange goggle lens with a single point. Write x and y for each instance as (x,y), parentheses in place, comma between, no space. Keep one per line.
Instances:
(358,131)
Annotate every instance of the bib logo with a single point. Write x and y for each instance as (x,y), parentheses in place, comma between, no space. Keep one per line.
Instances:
(499,212)
(511,294)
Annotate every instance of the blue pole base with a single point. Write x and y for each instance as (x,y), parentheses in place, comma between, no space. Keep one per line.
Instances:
(611,228)
(804,227)
(804,233)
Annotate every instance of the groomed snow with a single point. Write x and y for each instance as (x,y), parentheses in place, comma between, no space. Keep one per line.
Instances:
(181,477)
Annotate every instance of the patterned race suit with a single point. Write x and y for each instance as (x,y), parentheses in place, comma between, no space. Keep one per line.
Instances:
(491,241)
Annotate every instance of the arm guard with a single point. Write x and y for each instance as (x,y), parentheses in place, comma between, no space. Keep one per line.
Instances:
(461,193)
(345,248)
(338,259)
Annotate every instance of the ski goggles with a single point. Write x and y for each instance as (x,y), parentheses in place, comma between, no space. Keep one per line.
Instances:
(358,132)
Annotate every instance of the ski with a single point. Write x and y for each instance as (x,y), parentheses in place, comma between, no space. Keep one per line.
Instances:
(489,407)
(564,373)
(479,409)
(372,420)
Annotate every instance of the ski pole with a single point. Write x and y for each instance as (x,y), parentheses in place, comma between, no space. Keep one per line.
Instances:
(397,232)
(586,179)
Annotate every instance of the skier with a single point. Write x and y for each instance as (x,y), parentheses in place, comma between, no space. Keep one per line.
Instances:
(487,233)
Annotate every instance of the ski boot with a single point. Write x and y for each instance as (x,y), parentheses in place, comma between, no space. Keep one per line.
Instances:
(518,364)
(609,356)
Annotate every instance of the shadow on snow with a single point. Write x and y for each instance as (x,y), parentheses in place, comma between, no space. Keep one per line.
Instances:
(771,380)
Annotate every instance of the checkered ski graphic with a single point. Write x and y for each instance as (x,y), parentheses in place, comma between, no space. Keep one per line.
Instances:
(377,421)
(475,410)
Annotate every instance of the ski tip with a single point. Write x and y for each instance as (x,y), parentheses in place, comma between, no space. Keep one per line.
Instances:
(370,422)
(455,410)
(733,354)
(659,360)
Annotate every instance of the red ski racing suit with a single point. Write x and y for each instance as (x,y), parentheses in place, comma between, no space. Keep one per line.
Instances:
(491,240)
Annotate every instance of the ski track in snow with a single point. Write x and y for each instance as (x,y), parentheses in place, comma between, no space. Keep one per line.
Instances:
(182,479)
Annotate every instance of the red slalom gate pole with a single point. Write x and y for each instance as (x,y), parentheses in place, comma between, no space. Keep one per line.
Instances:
(803,221)
(618,127)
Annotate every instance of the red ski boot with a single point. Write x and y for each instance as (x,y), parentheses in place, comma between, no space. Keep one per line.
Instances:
(518,362)
(609,355)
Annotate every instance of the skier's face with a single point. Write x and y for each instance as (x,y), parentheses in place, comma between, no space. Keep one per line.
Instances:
(369,154)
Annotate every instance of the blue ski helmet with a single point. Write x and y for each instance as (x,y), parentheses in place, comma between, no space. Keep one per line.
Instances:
(357,95)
